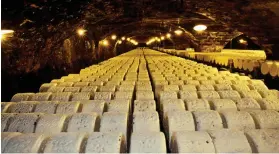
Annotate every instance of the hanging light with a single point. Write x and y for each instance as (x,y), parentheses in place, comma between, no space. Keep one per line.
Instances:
(81,32)
(123,38)
(128,39)
(5,33)
(119,42)
(113,37)
(162,37)
(168,35)
(200,28)
(178,32)
(105,43)
(242,41)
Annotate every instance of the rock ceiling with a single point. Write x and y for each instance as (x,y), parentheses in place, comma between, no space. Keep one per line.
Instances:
(41,26)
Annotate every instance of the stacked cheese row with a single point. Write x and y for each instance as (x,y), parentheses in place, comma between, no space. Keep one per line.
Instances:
(108,107)
(206,110)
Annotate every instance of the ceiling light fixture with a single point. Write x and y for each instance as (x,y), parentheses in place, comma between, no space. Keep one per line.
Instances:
(200,28)
(113,37)
(168,35)
(81,32)
(178,32)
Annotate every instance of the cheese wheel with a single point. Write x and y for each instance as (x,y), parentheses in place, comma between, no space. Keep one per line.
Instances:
(115,122)
(21,97)
(205,87)
(65,84)
(192,142)
(247,104)
(24,123)
(107,88)
(229,94)
(84,122)
(265,67)
(207,120)
(269,103)
(5,106)
(103,96)
(272,94)
(81,96)
(99,142)
(238,120)
(264,140)
(118,106)
(148,142)
(5,138)
(223,105)
(175,121)
(128,95)
(89,89)
(69,107)
(72,89)
(223,86)
(61,96)
(274,69)
(81,84)
(23,107)
(46,107)
(25,143)
(197,104)
(266,119)
(208,94)
(251,94)
(5,121)
(97,106)
(50,124)
(64,143)
(147,121)
(144,105)
(227,141)
(44,87)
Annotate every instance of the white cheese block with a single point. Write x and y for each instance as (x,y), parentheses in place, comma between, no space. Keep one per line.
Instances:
(46,107)
(25,143)
(188,88)
(187,95)
(168,95)
(148,142)
(269,104)
(128,95)
(103,96)
(238,120)
(252,94)
(107,88)
(197,104)
(64,143)
(144,105)
(89,89)
(72,89)
(207,120)
(205,87)
(84,122)
(264,140)
(247,104)
(21,97)
(192,142)
(230,141)
(56,89)
(5,138)
(175,121)
(50,124)
(24,123)
(144,95)
(229,94)
(223,104)
(22,107)
(5,121)
(41,96)
(5,106)
(118,106)
(266,119)
(65,84)
(208,94)
(44,87)
(61,96)
(97,106)
(115,122)
(81,84)
(146,121)
(67,107)
(99,142)
(81,96)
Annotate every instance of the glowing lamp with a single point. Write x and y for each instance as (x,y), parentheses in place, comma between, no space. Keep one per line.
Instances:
(200,28)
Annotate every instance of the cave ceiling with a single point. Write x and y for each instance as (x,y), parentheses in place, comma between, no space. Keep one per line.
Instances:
(58,19)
